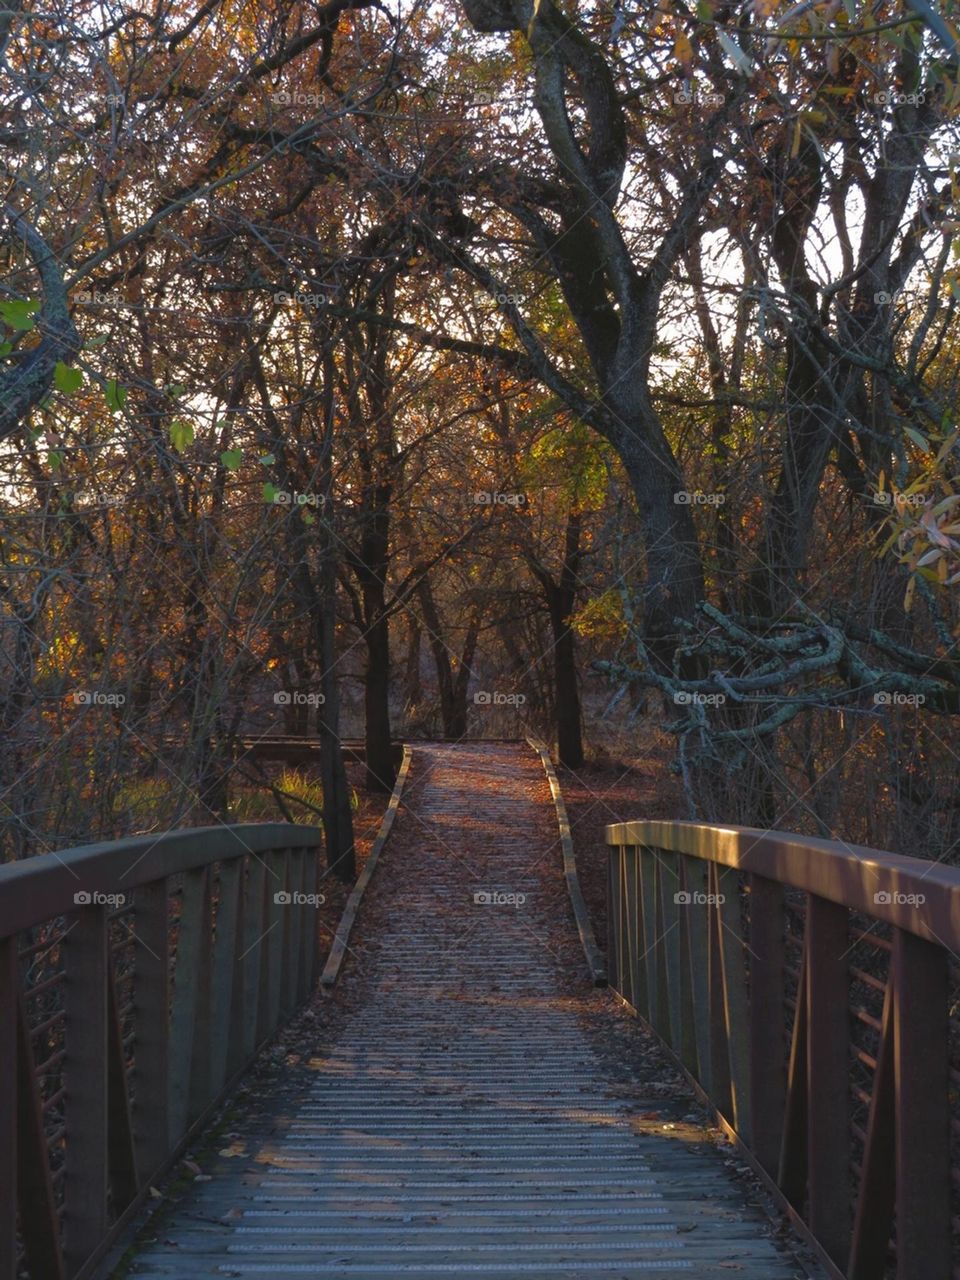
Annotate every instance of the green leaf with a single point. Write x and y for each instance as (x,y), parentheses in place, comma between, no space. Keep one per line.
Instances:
(175,391)
(66,379)
(267,460)
(19,315)
(307,517)
(5,348)
(270,492)
(98,341)
(115,395)
(231,458)
(181,435)
(55,459)
(920,441)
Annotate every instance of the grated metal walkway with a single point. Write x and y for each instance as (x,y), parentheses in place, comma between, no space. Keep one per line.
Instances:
(463,1123)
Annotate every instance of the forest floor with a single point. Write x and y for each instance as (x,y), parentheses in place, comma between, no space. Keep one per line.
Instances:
(632,781)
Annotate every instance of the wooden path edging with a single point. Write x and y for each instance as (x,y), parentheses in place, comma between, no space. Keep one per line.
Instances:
(595,961)
(338,951)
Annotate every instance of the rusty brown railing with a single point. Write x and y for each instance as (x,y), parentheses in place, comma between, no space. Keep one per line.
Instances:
(810,989)
(137,981)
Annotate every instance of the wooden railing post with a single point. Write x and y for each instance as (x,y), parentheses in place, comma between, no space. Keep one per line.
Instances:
(186,1036)
(85,1070)
(828,1075)
(614,859)
(767,1065)
(920,1050)
(151,1011)
(9,982)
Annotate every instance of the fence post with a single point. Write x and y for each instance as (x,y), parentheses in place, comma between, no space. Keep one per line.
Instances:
(921,1055)
(8,1111)
(151,1001)
(85,1078)
(828,1075)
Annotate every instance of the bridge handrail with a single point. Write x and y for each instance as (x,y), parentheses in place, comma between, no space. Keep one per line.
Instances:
(35,889)
(847,874)
(138,979)
(806,988)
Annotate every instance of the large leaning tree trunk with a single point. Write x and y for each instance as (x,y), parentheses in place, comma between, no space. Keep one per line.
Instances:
(613,299)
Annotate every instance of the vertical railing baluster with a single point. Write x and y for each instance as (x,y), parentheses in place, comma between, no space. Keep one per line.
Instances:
(309,934)
(695,885)
(272,949)
(627,929)
(733,962)
(291,924)
(39,1223)
(828,1075)
(921,1067)
(9,985)
(151,1014)
(121,1154)
(225,972)
(615,862)
(671,907)
(792,1171)
(633,965)
(720,1089)
(186,999)
(878,1182)
(85,1069)
(293,983)
(254,924)
(650,937)
(768,1079)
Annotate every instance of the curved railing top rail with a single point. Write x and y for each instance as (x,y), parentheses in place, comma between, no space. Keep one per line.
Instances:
(911,893)
(45,885)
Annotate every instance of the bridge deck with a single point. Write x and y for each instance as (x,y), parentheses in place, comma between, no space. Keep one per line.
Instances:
(473,1108)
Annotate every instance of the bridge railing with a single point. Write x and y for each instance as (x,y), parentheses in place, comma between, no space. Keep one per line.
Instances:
(810,989)
(138,978)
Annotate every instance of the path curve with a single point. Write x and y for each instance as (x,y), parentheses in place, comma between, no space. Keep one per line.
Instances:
(477,1109)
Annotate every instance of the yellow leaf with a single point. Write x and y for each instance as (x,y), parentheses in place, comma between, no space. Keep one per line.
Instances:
(683,50)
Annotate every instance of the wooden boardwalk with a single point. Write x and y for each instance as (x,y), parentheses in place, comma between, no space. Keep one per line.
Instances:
(472,1115)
